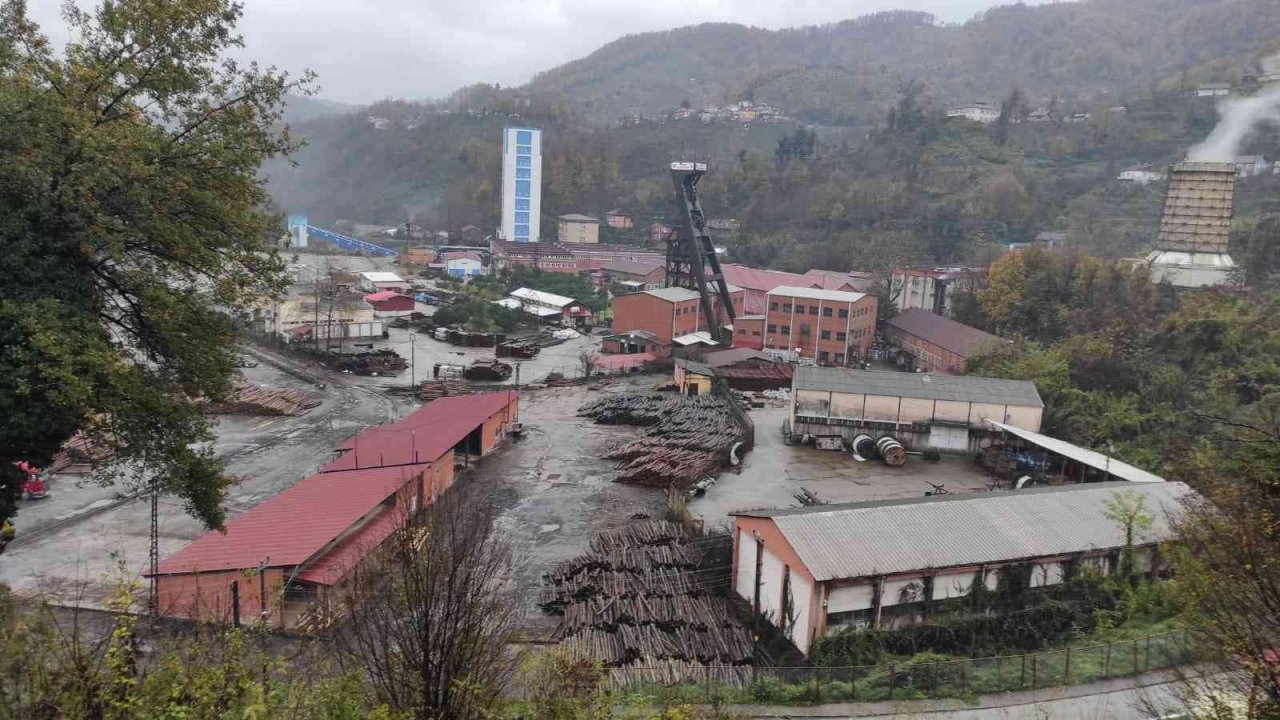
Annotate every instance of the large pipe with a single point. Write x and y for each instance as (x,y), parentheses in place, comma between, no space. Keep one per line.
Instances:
(864,448)
(891,451)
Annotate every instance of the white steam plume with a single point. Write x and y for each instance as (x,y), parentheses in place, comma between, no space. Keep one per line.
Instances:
(1238,117)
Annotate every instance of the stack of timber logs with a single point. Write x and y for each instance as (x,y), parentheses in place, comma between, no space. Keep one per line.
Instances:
(644,601)
(688,438)
(255,400)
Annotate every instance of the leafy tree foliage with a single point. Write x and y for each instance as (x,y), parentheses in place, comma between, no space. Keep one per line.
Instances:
(131,217)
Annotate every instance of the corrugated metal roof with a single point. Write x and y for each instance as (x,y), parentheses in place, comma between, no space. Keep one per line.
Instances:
(961,388)
(944,332)
(1112,466)
(693,338)
(421,436)
(897,536)
(380,276)
(291,527)
(1198,207)
(673,294)
(539,296)
(576,217)
(633,267)
(760,280)
(811,293)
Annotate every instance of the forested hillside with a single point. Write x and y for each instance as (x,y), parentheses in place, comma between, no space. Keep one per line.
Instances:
(850,72)
(905,185)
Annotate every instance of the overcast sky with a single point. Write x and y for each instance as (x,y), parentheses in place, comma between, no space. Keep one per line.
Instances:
(366,50)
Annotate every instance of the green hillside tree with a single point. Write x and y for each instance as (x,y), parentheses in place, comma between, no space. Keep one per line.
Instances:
(133,224)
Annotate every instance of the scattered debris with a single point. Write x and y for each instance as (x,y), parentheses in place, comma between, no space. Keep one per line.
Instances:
(808,498)
(488,370)
(370,362)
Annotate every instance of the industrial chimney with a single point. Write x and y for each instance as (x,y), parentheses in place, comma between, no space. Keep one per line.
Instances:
(1191,249)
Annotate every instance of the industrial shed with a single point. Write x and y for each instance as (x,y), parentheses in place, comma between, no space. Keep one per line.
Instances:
(279,558)
(947,412)
(875,564)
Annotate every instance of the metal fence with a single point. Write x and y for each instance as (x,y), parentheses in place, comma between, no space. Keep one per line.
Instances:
(907,680)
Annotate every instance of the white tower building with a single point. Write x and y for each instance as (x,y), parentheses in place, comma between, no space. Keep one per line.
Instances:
(521,184)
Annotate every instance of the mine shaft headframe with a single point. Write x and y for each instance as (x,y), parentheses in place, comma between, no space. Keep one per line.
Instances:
(691,256)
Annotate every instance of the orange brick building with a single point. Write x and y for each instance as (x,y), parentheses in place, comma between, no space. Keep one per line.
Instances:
(830,326)
(669,314)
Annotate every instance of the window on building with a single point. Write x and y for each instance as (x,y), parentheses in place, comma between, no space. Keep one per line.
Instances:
(772,328)
(524,161)
(786,329)
(524,150)
(522,231)
(804,328)
(825,334)
(826,312)
(522,217)
(773,306)
(840,358)
(742,332)
(524,137)
(524,173)
(786,307)
(813,309)
(841,336)
(522,188)
(755,333)
(522,204)
(800,309)
(844,313)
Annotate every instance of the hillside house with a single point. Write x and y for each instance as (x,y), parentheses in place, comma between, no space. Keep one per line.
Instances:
(978,111)
(1250,165)
(931,290)
(575,228)
(1140,175)
(1217,89)
(658,232)
(618,220)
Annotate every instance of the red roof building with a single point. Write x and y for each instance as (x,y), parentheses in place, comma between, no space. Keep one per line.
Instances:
(386,303)
(276,559)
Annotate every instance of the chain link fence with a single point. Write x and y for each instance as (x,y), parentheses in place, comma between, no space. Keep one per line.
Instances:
(906,680)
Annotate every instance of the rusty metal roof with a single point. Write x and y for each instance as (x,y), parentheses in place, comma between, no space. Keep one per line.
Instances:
(913,534)
(956,337)
(928,386)
(1198,207)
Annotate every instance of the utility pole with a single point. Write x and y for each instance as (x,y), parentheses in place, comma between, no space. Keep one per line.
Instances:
(153,558)
(413,357)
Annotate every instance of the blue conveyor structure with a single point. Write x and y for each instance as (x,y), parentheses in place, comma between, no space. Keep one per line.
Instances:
(349,243)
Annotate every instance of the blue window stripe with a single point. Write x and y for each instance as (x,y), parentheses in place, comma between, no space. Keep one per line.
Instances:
(524,150)
(524,137)
(524,161)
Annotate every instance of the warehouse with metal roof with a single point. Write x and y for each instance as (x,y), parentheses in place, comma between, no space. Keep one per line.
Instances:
(876,564)
(274,561)
(921,410)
